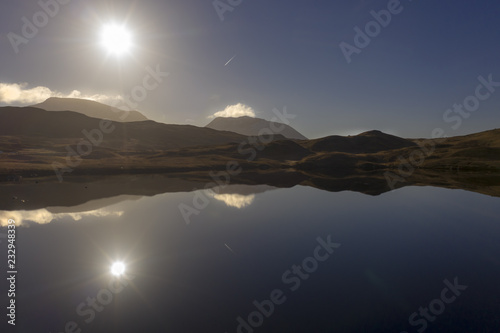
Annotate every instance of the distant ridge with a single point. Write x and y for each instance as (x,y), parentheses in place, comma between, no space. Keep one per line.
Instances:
(364,143)
(252,126)
(91,109)
(143,135)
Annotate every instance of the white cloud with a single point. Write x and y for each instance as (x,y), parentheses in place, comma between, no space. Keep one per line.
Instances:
(14,93)
(237,110)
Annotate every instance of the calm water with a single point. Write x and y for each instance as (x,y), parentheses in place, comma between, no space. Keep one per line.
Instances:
(231,269)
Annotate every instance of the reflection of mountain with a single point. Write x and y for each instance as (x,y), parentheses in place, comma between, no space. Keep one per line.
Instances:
(82,190)
(242,189)
(93,205)
(238,196)
(253,127)
(95,193)
(90,109)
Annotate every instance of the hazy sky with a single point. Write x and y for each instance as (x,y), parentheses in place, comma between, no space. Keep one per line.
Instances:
(284,54)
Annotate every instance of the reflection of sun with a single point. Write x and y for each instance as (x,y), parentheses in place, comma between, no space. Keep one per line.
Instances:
(116,39)
(118,268)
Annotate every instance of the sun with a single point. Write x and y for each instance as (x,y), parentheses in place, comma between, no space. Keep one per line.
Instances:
(118,268)
(116,39)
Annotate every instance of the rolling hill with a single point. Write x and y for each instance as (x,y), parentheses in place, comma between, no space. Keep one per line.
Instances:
(32,139)
(69,127)
(364,143)
(91,109)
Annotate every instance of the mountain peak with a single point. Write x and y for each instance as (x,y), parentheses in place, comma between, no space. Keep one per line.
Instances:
(372,133)
(253,126)
(90,108)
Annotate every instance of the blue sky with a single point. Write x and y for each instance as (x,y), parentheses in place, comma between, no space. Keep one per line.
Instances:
(286,54)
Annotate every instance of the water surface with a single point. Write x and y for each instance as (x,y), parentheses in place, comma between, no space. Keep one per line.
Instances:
(392,255)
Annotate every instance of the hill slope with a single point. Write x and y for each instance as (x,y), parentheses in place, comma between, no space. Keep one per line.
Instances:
(364,143)
(144,135)
(474,152)
(32,139)
(252,126)
(91,109)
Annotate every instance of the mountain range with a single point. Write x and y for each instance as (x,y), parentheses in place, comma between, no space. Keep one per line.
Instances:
(247,126)
(30,122)
(33,139)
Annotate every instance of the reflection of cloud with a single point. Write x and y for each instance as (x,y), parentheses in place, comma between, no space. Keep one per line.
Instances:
(237,110)
(13,93)
(234,200)
(43,216)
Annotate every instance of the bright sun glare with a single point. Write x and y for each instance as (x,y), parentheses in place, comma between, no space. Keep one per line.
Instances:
(118,268)
(116,39)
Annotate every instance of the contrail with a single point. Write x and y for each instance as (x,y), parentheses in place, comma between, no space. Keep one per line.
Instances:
(230,60)
(230,249)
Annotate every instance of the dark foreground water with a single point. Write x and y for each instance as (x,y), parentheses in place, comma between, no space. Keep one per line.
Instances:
(261,260)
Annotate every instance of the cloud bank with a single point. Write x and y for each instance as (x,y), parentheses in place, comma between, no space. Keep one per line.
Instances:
(236,110)
(14,93)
